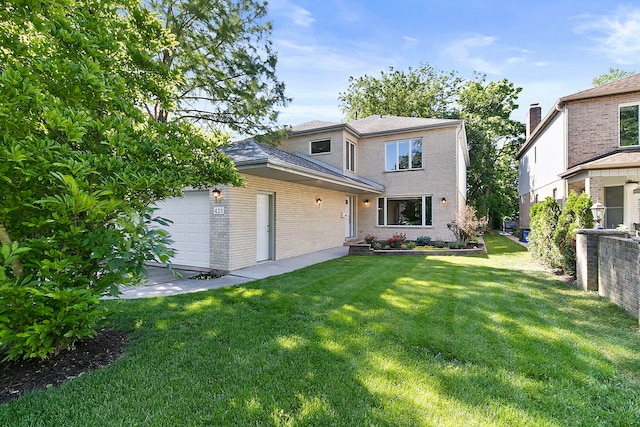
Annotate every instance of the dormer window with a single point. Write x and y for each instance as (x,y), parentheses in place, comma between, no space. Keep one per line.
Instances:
(320,147)
(629,125)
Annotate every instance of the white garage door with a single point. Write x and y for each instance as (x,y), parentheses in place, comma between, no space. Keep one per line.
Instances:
(190,230)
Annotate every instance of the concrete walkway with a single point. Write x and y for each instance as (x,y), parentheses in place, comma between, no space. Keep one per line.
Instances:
(162,282)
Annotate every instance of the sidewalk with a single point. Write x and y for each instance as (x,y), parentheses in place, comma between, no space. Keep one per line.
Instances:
(162,282)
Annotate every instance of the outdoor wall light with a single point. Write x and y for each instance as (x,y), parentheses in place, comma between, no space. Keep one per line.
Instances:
(318,201)
(366,203)
(215,193)
(598,210)
(443,201)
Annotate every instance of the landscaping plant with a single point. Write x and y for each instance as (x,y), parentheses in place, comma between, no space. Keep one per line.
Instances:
(465,225)
(575,214)
(544,220)
(82,161)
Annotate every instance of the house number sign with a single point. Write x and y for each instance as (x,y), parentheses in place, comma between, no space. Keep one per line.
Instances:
(218,210)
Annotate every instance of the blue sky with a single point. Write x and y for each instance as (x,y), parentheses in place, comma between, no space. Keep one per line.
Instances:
(549,48)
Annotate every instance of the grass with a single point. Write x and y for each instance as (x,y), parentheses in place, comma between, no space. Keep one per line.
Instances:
(484,340)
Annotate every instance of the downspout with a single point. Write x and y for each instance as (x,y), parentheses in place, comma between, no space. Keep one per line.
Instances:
(562,108)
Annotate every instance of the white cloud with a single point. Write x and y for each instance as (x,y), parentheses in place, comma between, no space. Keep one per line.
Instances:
(298,16)
(616,36)
(465,51)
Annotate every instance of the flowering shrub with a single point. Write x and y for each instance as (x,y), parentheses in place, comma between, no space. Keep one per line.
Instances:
(369,238)
(397,240)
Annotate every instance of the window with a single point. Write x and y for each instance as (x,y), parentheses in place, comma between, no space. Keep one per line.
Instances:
(403,155)
(350,156)
(405,212)
(318,147)
(614,201)
(629,125)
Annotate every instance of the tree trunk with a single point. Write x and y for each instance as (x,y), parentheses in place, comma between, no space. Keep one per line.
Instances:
(16,265)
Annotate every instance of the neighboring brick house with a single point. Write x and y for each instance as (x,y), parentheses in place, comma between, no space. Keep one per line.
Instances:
(326,184)
(589,142)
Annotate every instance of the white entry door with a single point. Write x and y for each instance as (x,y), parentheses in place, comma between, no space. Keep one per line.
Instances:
(263,227)
(349,220)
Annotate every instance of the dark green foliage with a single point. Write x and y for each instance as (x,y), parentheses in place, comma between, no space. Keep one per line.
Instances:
(81,162)
(227,59)
(575,214)
(544,219)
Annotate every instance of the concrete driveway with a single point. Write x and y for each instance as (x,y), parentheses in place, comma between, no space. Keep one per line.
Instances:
(162,282)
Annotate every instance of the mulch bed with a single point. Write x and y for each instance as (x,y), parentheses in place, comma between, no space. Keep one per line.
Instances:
(22,376)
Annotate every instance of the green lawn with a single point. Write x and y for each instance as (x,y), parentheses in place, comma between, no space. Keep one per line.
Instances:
(485,340)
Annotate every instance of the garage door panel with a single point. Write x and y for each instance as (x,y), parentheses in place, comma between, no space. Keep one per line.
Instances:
(190,230)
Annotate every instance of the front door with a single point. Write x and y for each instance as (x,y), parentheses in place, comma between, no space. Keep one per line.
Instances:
(264,227)
(349,216)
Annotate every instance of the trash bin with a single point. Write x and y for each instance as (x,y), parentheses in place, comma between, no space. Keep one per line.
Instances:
(524,235)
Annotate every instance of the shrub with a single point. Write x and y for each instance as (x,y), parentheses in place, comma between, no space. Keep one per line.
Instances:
(465,225)
(544,220)
(423,240)
(386,247)
(575,214)
(457,245)
(377,245)
(439,244)
(408,245)
(397,240)
(369,238)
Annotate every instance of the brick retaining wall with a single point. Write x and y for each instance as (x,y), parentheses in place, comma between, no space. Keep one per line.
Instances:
(609,261)
(619,272)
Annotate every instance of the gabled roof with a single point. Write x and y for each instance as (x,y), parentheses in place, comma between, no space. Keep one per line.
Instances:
(375,125)
(258,159)
(625,85)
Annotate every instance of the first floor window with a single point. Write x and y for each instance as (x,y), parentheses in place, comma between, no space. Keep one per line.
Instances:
(405,211)
(629,125)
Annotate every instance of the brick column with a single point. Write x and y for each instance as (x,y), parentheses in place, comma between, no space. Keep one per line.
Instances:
(587,255)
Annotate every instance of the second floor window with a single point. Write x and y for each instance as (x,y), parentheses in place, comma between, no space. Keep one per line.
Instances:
(403,155)
(350,156)
(318,147)
(629,125)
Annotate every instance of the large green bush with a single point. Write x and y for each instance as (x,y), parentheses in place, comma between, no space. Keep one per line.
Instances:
(575,214)
(552,239)
(544,219)
(81,161)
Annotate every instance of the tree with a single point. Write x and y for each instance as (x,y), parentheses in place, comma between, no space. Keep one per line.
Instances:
(613,75)
(421,92)
(493,141)
(227,61)
(486,108)
(82,162)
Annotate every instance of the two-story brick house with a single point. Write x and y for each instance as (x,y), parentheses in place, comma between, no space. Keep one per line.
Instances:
(588,142)
(325,184)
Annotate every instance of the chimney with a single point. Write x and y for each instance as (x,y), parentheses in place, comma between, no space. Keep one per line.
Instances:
(534,117)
